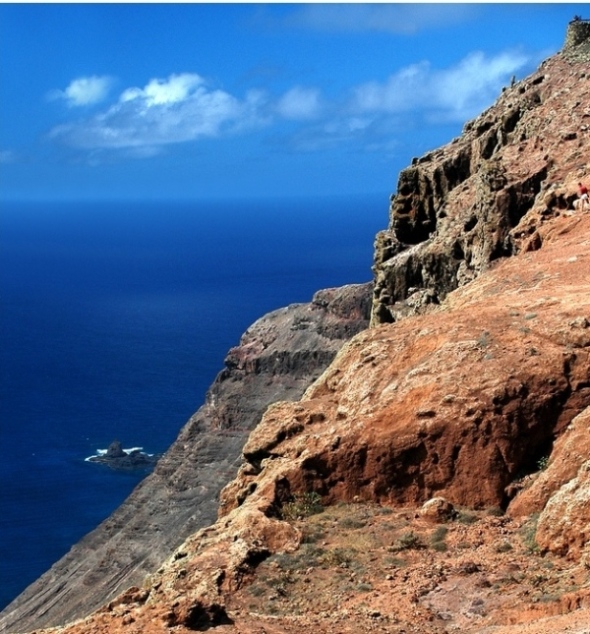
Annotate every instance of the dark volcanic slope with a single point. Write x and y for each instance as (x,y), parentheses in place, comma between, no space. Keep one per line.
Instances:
(278,357)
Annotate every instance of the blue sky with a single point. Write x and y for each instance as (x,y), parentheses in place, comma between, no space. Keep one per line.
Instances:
(189,101)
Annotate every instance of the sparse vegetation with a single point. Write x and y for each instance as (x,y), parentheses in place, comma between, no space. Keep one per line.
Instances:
(350,550)
(257,590)
(408,541)
(395,562)
(538,579)
(464,517)
(303,505)
(349,522)
(484,340)
(440,547)
(338,557)
(543,463)
(529,532)
(437,539)
(504,547)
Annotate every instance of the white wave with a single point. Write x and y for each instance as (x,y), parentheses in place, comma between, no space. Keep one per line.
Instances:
(103,452)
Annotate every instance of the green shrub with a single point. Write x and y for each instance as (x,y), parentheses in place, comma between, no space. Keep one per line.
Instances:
(440,547)
(409,541)
(339,557)
(395,562)
(503,547)
(437,539)
(257,591)
(303,505)
(463,517)
(543,463)
(529,532)
(439,534)
(349,522)
(311,535)
(364,587)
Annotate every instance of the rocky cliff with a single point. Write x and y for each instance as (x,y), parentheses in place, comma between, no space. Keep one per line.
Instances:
(435,477)
(276,359)
(460,208)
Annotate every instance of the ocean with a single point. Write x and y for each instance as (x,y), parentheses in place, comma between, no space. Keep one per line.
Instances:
(115,318)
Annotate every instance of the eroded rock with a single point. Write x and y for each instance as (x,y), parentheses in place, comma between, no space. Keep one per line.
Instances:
(563,527)
(484,195)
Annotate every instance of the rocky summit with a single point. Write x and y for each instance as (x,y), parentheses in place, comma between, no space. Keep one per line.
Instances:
(430,473)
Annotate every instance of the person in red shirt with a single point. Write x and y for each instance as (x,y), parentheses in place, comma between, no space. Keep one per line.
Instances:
(583,192)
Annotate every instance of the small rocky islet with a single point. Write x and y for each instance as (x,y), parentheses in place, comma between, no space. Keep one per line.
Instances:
(120,459)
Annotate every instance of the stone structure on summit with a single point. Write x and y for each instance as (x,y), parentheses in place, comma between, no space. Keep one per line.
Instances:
(578,32)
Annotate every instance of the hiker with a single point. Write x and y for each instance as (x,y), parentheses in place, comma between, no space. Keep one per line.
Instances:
(583,193)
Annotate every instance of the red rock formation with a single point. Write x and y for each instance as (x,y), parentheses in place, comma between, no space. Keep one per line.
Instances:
(458,403)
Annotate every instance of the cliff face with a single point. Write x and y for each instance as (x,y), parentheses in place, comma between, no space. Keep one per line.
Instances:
(448,444)
(277,358)
(461,207)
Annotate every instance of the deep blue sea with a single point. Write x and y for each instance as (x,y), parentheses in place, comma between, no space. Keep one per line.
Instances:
(115,319)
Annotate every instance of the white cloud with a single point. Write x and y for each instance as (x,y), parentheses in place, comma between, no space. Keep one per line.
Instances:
(402,91)
(456,93)
(378,113)
(84,91)
(299,103)
(184,107)
(475,81)
(158,92)
(180,108)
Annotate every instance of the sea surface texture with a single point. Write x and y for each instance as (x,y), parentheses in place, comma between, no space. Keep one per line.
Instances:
(115,319)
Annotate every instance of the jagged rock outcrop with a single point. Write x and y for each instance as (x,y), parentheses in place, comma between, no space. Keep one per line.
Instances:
(278,357)
(460,208)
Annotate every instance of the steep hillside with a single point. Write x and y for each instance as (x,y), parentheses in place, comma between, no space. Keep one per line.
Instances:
(435,477)
(416,440)
(277,358)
